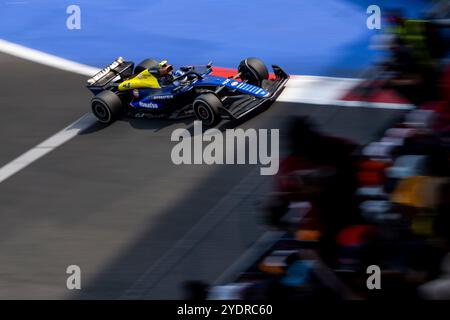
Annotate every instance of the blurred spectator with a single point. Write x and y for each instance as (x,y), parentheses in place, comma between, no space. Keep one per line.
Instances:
(415,62)
(322,170)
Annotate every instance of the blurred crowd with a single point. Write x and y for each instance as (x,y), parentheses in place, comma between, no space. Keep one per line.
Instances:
(342,207)
(415,57)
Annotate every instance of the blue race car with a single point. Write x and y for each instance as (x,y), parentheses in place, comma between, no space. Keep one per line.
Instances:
(153,90)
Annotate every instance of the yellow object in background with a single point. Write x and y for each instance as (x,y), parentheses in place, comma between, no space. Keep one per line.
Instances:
(422,225)
(307,235)
(419,191)
(408,192)
(270,268)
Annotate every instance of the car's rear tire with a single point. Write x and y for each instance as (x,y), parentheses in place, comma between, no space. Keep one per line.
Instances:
(254,71)
(207,109)
(106,107)
(145,64)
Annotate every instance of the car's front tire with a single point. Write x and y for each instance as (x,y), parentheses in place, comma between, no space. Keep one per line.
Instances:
(206,108)
(254,71)
(106,107)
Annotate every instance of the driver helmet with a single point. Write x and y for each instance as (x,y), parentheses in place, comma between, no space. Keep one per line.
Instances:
(165,68)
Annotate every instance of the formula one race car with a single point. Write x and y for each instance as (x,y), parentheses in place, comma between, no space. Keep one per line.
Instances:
(122,89)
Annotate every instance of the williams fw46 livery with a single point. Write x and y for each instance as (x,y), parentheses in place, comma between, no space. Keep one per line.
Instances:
(153,90)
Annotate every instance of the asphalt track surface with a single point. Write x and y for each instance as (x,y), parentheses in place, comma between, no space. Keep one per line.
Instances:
(111,201)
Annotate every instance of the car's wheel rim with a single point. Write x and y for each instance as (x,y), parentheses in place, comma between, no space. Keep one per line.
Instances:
(101,112)
(203,112)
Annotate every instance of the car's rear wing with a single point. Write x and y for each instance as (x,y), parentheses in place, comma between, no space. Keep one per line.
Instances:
(104,77)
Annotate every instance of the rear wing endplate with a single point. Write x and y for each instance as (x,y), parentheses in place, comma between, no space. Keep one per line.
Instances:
(110,72)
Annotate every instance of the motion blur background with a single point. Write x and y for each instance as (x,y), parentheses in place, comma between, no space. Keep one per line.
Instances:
(364,176)
(329,38)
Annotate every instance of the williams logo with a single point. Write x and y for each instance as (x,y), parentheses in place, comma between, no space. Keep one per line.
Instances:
(148,105)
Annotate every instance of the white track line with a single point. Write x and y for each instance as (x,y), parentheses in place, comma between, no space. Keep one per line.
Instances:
(46,59)
(329,91)
(64,135)
(46,146)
